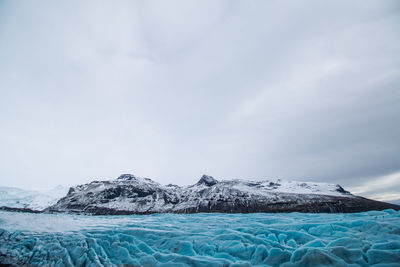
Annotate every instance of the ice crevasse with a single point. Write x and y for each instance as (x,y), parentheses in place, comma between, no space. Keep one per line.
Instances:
(258,239)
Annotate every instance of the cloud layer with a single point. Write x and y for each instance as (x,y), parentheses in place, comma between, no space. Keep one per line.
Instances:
(172,90)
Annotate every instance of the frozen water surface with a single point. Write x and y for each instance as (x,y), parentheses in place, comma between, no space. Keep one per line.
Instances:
(292,239)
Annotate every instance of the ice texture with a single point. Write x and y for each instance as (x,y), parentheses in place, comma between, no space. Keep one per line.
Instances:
(258,239)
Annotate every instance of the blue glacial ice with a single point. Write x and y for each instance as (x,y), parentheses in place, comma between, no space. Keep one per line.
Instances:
(293,239)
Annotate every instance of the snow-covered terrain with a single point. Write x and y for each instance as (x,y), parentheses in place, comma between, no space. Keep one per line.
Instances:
(257,239)
(129,194)
(29,199)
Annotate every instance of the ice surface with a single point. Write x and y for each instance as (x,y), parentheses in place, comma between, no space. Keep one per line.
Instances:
(294,239)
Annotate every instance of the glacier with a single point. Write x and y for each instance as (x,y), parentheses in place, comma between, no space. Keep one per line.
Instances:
(203,239)
(31,199)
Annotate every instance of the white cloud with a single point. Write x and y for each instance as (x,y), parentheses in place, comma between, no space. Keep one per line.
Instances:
(384,188)
(170,90)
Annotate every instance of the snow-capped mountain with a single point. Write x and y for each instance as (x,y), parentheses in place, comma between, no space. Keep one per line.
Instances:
(12,197)
(129,194)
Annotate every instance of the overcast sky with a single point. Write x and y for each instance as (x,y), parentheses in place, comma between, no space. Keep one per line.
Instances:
(174,89)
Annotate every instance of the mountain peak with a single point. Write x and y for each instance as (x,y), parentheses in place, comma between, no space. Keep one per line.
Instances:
(126,177)
(207,180)
(341,190)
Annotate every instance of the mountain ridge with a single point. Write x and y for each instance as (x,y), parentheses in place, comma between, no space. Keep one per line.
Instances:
(129,194)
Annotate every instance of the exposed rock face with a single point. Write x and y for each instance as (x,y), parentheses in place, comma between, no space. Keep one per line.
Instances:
(129,194)
(126,177)
(207,180)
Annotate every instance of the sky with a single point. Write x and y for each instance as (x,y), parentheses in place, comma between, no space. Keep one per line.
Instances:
(172,90)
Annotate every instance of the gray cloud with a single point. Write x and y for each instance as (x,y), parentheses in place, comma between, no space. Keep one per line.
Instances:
(174,89)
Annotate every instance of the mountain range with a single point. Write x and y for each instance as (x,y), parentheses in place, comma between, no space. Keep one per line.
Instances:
(129,194)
